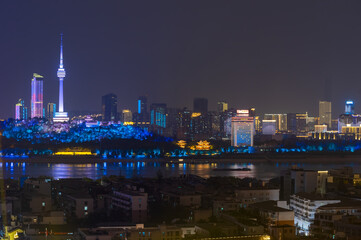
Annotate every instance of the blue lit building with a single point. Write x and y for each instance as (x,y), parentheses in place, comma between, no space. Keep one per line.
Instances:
(158,117)
(243,131)
(349,122)
(61,116)
(349,107)
(141,117)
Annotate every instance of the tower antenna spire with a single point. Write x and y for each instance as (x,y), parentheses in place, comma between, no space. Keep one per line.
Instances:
(61,116)
(61,65)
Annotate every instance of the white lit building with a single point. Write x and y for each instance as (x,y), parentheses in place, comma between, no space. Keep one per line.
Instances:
(305,205)
(324,113)
(321,128)
(268,127)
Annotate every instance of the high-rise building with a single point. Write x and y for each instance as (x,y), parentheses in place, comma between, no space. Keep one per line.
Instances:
(324,113)
(158,117)
(281,121)
(37,96)
(268,127)
(349,107)
(109,107)
(127,116)
(200,105)
(142,105)
(50,111)
(61,116)
(141,117)
(222,107)
(21,112)
(243,131)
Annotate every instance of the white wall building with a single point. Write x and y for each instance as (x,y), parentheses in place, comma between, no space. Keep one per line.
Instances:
(305,205)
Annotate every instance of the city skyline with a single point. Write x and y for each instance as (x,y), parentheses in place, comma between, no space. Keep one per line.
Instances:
(259,65)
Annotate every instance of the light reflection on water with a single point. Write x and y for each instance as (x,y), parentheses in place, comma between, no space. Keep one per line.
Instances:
(260,170)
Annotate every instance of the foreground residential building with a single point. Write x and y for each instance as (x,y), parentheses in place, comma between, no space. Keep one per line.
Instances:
(134,204)
(305,205)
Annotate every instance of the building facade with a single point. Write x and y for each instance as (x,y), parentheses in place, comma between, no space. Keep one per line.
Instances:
(242,129)
(110,107)
(325,113)
(37,96)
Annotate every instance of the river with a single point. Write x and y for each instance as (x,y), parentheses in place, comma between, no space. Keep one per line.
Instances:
(150,168)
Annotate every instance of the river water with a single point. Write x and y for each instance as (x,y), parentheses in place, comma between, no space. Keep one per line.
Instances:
(146,168)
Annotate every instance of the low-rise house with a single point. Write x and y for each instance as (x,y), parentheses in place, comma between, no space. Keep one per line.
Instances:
(134,204)
(327,215)
(250,195)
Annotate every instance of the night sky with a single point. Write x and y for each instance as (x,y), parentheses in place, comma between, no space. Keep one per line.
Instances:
(275,56)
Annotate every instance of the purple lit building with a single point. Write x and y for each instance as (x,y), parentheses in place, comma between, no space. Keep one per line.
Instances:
(37,96)
(21,112)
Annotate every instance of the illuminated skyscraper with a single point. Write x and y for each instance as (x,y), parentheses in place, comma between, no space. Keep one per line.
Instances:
(349,107)
(243,131)
(127,116)
(37,96)
(110,107)
(21,112)
(158,117)
(222,107)
(281,121)
(61,116)
(324,113)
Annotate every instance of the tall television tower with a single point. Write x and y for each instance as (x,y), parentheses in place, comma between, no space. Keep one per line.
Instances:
(61,116)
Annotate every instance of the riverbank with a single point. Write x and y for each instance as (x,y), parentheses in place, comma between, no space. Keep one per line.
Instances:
(246,158)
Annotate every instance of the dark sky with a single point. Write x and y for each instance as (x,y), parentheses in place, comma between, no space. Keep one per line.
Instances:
(275,56)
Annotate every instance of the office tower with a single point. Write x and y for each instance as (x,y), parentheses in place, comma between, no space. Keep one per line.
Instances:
(184,124)
(200,105)
(268,127)
(109,107)
(127,116)
(158,117)
(142,105)
(324,113)
(349,107)
(37,96)
(242,132)
(349,121)
(281,121)
(61,116)
(296,123)
(21,112)
(311,122)
(301,123)
(50,111)
(222,107)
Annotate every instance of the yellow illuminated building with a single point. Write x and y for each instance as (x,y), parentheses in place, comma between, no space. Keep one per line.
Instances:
(202,145)
(75,152)
(182,143)
(195,114)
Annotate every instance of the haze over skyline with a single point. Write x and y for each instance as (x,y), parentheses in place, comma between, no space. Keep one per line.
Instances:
(273,55)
